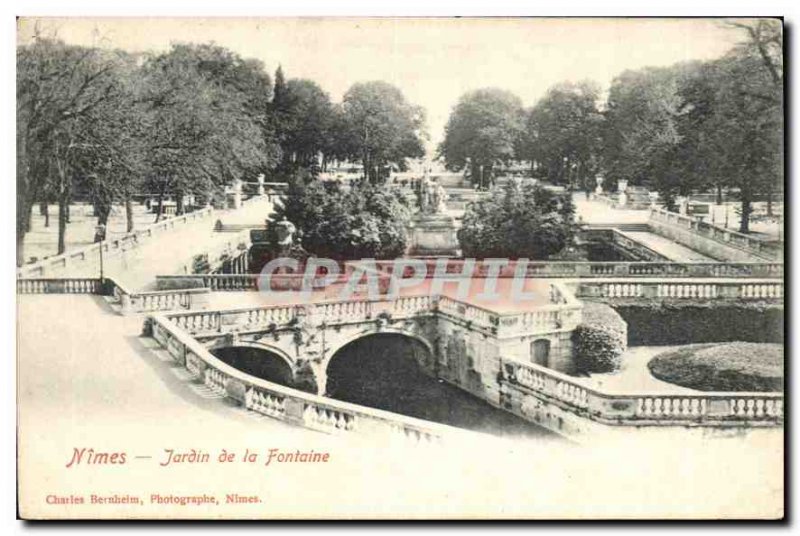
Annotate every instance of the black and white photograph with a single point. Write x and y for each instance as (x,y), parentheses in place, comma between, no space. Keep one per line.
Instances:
(372,268)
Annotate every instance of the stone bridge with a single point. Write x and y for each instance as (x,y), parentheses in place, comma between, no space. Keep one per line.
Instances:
(463,342)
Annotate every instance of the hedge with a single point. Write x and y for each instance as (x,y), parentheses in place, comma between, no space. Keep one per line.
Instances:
(600,340)
(675,323)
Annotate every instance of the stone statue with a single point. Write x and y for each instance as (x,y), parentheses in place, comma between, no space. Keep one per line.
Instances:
(439,198)
(423,193)
(432,196)
(285,230)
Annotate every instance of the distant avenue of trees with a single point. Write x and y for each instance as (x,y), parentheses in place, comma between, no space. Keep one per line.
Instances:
(689,127)
(105,125)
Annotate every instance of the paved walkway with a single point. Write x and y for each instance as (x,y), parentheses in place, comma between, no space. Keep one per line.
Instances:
(666,247)
(634,377)
(595,212)
(164,253)
(42,241)
(168,252)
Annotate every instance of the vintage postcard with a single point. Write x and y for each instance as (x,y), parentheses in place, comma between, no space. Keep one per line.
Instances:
(400,268)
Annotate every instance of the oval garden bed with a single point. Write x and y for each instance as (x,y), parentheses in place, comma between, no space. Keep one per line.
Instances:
(736,366)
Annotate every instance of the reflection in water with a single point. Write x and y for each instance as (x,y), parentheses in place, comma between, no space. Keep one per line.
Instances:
(381,371)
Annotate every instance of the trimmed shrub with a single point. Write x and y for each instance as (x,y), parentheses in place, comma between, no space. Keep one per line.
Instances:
(600,340)
(738,366)
(657,324)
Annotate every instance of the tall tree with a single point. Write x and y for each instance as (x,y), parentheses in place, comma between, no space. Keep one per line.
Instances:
(565,128)
(734,128)
(59,87)
(379,128)
(482,131)
(641,124)
(207,108)
(306,120)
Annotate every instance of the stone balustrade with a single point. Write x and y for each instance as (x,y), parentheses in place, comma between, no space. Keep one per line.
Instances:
(750,244)
(131,302)
(76,285)
(521,379)
(214,282)
(475,315)
(286,404)
(587,269)
(764,289)
(564,313)
(128,302)
(281,316)
(60,263)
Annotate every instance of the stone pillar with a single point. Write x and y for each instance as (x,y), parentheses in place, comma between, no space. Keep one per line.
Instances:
(261,184)
(237,193)
(622,185)
(653,199)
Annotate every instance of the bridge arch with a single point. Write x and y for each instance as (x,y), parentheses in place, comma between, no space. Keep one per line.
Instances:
(344,341)
(365,366)
(260,360)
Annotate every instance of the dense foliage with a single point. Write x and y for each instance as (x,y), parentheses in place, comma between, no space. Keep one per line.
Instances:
(365,221)
(737,366)
(518,221)
(563,133)
(481,133)
(600,339)
(379,128)
(696,126)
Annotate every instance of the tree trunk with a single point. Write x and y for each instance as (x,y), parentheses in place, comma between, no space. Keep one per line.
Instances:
(102,214)
(62,223)
(769,199)
(44,210)
(129,214)
(719,194)
(744,225)
(179,203)
(63,201)
(160,206)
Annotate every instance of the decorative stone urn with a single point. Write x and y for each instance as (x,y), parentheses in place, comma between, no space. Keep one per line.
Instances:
(599,189)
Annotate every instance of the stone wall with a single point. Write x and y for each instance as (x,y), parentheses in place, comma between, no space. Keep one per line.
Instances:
(716,249)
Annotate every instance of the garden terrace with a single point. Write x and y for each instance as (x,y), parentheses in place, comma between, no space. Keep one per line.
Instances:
(712,240)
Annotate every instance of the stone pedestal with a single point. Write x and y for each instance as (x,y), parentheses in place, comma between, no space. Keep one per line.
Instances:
(433,234)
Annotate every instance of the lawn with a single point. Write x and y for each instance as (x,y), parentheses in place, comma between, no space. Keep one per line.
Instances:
(737,366)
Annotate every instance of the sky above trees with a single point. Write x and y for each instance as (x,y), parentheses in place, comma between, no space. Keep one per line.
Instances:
(432,61)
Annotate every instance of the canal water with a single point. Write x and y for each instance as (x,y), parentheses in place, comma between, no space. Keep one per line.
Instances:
(380,371)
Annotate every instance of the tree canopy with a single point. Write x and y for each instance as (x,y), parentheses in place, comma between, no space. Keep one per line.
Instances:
(518,221)
(379,128)
(366,221)
(562,133)
(481,132)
